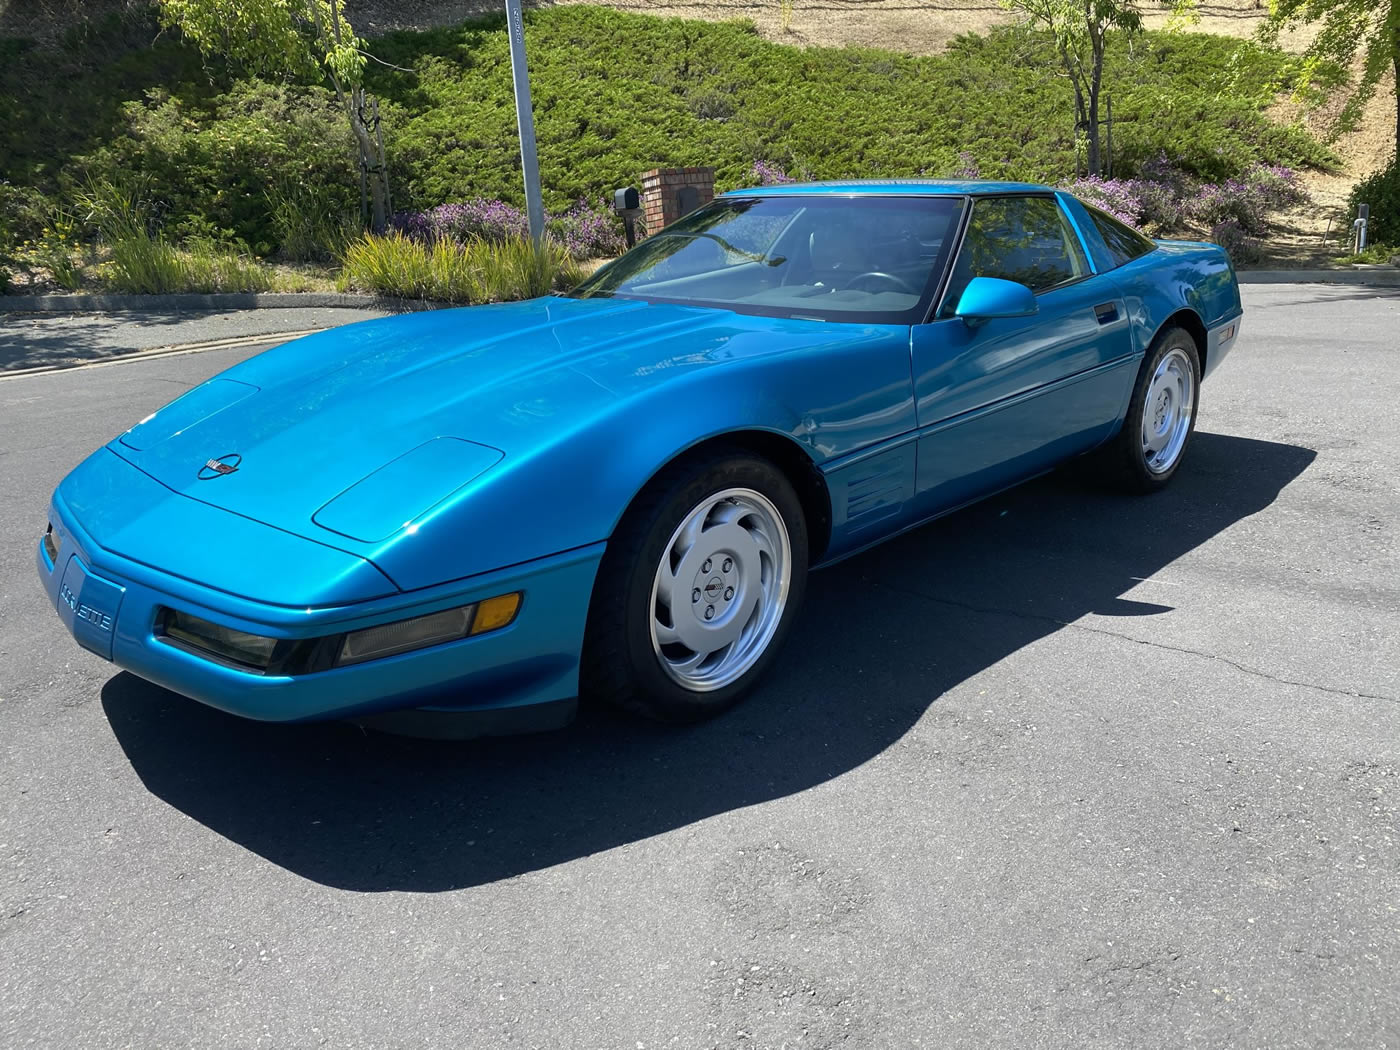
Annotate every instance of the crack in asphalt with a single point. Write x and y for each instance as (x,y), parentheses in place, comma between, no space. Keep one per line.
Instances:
(1244,668)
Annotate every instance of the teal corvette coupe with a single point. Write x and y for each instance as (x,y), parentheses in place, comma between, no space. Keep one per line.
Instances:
(486,513)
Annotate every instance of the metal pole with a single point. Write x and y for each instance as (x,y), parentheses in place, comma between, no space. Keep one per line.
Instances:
(524,116)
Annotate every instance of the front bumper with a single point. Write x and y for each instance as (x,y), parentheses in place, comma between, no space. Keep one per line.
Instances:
(111,606)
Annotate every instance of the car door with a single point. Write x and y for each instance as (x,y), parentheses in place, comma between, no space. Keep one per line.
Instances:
(1003,399)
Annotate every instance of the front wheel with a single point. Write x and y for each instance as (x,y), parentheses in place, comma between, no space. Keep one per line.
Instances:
(698,588)
(1161,415)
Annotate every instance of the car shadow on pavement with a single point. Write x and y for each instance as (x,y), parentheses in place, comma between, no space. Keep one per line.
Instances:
(881,638)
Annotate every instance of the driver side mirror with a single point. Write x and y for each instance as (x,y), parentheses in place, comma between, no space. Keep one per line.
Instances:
(987,297)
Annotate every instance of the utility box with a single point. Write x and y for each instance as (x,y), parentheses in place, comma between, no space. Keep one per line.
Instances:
(669,193)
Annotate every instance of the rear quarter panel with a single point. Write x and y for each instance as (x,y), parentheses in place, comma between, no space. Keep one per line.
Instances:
(1179,275)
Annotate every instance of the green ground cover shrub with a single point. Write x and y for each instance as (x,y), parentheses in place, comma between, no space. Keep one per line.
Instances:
(261,164)
(268,165)
(1382,192)
(650,86)
(118,102)
(61,102)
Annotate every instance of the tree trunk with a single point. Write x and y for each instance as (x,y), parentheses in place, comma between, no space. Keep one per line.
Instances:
(370,161)
(1094,163)
(1095,160)
(372,167)
(1081,113)
(1395,62)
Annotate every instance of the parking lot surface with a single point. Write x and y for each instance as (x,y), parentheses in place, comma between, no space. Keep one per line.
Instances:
(1066,769)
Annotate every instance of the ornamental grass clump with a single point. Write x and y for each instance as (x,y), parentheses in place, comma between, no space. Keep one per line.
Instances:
(141,259)
(519,269)
(478,271)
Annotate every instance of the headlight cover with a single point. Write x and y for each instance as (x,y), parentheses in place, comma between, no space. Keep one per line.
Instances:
(292,656)
(253,651)
(449,625)
(53,543)
(390,639)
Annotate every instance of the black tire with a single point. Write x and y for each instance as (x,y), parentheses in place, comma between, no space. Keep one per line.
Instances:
(1124,460)
(620,663)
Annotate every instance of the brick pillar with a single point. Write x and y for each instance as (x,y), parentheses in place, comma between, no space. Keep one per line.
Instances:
(666,190)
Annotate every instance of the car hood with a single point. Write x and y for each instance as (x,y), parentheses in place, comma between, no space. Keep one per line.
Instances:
(347,435)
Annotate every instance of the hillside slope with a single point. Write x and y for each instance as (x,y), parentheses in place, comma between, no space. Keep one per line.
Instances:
(903,25)
(927,30)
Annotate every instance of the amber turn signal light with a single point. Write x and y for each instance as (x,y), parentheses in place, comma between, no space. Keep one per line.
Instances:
(495,613)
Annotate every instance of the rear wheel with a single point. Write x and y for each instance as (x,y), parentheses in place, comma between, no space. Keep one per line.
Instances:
(1161,415)
(697,590)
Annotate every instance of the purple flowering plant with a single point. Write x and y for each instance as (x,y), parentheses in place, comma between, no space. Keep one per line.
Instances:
(1118,197)
(1249,199)
(589,230)
(765,173)
(1163,198)
(586,230)
(1237,242)
(967,166)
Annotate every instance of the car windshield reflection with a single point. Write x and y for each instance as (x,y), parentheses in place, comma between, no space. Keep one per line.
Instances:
(866,259)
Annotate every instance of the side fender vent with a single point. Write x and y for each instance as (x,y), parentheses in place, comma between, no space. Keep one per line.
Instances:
(870,497)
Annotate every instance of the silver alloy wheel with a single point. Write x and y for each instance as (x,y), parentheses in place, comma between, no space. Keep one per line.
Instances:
(720,590)
(1167,410)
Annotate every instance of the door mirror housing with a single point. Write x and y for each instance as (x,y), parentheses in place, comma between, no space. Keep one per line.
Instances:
(987,297)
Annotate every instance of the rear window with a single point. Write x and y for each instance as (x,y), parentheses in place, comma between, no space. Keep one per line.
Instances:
(1124,243)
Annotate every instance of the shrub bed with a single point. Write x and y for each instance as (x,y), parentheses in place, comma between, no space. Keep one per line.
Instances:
(267,165)
(585,231)
(1382,192)
(1163,199)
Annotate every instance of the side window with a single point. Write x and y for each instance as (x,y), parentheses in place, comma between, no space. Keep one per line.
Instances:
(1123,242)
(1023,239)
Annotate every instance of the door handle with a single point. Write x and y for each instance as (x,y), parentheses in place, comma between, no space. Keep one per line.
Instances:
(1107,313)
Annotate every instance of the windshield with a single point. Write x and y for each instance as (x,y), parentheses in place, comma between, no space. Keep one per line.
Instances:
(874,259)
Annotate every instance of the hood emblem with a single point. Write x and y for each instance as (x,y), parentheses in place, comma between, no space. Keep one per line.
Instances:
(217,468)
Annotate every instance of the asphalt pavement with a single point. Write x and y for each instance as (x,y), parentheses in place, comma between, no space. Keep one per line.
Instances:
(35,342)
(1067,769)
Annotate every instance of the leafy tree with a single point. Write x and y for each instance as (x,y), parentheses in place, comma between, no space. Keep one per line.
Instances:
(1370,28)
(1081,29)
(294,38)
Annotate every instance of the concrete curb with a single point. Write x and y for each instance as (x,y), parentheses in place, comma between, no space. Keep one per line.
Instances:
(1380,277)
(73,304)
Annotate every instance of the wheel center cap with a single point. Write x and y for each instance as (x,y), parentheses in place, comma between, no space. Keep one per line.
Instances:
(715,586)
